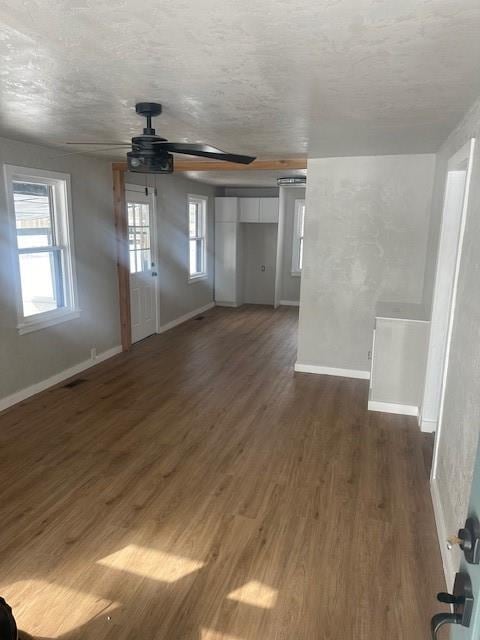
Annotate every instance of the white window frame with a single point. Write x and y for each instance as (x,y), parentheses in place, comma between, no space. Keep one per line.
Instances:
(298,238)
(202,201)
(62,220)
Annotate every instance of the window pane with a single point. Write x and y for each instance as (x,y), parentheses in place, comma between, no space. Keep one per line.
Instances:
(302,220)
(146,261)
(193,219)
(143,215)
(132,262)
(143,234)
(193,257)
(131,214)
(33,214)
(131,239)
(199,256)
(42,281)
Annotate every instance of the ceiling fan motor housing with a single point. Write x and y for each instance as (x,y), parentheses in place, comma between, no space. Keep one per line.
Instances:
(149,162)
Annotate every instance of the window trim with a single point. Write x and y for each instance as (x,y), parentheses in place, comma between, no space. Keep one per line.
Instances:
(296,237)
(203,201)
(64,224)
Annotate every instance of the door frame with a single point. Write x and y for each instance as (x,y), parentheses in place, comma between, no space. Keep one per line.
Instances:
(462,160)
(282,221)
(150,193)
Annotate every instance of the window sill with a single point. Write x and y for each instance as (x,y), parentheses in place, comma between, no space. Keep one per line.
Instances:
(202,276)
(43,323)
(296,274)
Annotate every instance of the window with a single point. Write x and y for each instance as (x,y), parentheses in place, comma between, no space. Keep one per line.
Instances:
(298,227)
(197,227)
(139,237)
(40,212)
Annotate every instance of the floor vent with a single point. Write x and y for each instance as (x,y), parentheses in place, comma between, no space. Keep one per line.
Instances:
(74,383)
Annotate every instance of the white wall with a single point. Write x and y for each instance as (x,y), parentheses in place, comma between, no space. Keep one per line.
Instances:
(31,358)
(177,296)
(366,230)
(461,418)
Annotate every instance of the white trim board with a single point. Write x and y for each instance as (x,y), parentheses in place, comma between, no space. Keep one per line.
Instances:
(23,394)
(450,562)
(232,305)
(289,303)
(390,407)
(185,317)
(332,371)
(427,426)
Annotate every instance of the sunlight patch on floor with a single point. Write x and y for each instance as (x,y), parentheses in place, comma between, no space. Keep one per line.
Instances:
(50,610)
(255,593)
(211,634)
(150,563)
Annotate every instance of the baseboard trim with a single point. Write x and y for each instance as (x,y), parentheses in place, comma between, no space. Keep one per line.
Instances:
(289,303)
(332,371)
(391,407)
(38,387)
(234,305)
(427,426)
(448,557)
(185,317)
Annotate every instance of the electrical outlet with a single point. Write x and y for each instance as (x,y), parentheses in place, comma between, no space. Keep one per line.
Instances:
(369,355)
(93,353)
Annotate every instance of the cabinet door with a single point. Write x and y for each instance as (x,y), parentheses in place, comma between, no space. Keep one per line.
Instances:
(268,209)
(249,209)
(226,262)
(226,209)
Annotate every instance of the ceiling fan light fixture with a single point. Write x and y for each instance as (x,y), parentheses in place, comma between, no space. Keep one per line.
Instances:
(148,162)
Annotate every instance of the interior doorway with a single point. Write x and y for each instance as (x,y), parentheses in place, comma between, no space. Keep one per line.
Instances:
(142,260)
(449,253)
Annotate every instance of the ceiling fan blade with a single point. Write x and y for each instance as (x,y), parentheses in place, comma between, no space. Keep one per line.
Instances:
(205,151)
(112,144)
(76,153)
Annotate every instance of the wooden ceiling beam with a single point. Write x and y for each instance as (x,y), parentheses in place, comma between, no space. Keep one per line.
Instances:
(272,164)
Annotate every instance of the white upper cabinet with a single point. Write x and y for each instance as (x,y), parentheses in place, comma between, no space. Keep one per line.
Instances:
(226,209)
(258,210)
(268,209)
(249,209)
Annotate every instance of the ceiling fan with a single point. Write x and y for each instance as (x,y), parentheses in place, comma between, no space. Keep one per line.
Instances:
(152,154)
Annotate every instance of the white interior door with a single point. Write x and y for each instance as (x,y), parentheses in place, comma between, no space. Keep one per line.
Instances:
(142,261)
(449,252)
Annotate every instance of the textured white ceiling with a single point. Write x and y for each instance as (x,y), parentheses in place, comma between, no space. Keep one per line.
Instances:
(243,178)
(266,77)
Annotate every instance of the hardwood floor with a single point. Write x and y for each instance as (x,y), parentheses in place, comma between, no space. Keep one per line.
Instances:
(195,488)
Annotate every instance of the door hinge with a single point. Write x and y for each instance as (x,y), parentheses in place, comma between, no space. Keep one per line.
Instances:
(146,191)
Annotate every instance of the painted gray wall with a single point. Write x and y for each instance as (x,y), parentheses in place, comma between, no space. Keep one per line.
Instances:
(177,296)
(366,231)
(290,284)
(461,418)
(259,248)
(31,358)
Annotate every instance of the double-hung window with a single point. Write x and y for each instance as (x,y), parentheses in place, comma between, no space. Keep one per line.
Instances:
(298,228)
(39,204)
(197,240)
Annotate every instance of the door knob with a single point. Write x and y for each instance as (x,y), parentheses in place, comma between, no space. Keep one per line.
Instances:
(468,539)
(440,619)
(462,600)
